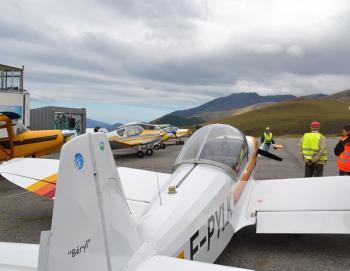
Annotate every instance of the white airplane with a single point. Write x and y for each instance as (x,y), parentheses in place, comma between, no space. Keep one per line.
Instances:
(104,221)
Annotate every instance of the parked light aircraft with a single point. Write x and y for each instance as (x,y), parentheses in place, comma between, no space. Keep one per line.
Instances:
(134,138)
(177,134)
(104,220)
(149,127)
(16,140)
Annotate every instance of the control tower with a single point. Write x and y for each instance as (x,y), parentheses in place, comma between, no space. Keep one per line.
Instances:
(13,96)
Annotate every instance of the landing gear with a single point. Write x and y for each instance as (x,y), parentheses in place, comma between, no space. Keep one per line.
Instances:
(140,154)
(156,147)
(162,145)
(149,152)
(180,142)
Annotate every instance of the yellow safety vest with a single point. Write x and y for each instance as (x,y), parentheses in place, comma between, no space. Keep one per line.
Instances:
(311,146)
(267,138)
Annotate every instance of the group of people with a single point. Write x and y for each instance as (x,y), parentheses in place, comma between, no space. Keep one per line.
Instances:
(313,147)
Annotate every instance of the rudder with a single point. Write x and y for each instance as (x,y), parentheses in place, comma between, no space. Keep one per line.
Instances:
(92,228)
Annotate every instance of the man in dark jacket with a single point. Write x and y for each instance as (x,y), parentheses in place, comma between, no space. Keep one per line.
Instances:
(342,151)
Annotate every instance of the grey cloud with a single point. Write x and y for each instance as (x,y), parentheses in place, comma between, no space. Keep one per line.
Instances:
(96,65)
(159,9)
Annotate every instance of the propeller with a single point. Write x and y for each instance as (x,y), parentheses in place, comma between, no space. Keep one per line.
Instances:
(269,155)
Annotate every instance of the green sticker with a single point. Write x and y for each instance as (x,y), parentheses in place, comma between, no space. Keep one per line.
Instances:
(102,146)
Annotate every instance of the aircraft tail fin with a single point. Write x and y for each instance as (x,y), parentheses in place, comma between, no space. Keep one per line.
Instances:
(92,228)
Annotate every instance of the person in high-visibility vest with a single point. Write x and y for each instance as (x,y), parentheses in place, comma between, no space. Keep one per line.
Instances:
(267,139)
(313,147)
(342,151)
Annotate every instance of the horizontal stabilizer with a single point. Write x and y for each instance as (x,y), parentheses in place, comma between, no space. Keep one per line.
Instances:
(39,176)
(33,174)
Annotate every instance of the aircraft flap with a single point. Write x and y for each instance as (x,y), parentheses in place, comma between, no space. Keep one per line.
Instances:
(337,222)
(304,205)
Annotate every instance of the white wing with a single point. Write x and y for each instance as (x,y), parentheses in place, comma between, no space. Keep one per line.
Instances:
(305,205)
(15,256)
(22,257)
(173,264)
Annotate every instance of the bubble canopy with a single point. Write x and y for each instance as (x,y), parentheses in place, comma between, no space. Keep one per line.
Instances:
(216,144)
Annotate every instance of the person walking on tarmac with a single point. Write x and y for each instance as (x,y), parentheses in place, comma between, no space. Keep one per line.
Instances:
(267,139)
(313,147)
(342,151)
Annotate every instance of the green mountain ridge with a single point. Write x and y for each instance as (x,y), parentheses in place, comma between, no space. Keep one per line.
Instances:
(294,117)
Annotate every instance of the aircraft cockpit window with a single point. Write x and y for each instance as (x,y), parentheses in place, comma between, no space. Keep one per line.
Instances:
(138,130)
(216,144)
(148,126)
(19,128)
(121,132)
(145,126)
(3,132)
(134,130)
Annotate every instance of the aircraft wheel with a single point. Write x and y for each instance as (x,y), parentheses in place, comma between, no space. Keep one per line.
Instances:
(156,147)
(162,145)
(149,152)
(177,143)
(182,142)
(140,154)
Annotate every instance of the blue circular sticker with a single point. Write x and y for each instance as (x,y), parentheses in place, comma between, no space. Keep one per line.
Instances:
(78,161)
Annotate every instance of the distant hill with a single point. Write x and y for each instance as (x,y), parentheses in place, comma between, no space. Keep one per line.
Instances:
(294,117)
(114,126)
(341,95)
(90,123)
(233,101)
(212,116)
(314,96)
(178,121)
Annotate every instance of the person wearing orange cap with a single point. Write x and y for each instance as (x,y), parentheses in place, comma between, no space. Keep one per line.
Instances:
(342,151)
(313,147)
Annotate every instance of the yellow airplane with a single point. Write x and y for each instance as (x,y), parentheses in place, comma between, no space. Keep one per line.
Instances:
(176,134)
(133,138)
(149,127)
(16,140)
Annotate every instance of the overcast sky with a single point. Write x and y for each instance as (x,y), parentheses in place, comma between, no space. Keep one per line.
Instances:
(129,60)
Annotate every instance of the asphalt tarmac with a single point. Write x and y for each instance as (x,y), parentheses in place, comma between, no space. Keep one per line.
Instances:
(24,215)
